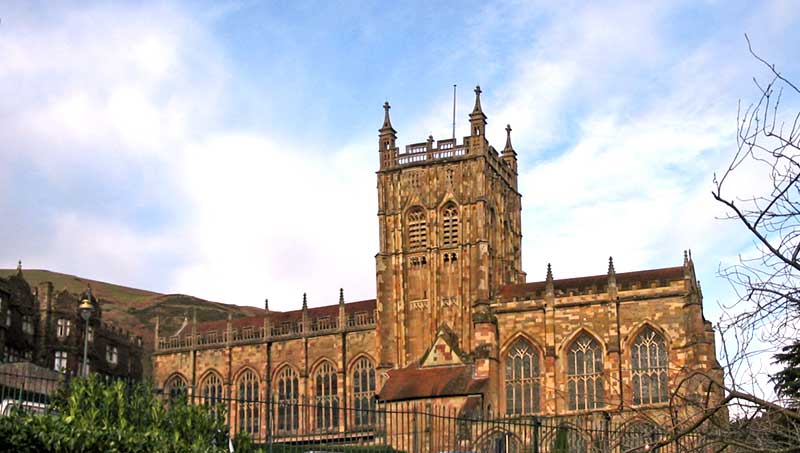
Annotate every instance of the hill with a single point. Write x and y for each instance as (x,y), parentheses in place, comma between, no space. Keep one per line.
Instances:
(135,309)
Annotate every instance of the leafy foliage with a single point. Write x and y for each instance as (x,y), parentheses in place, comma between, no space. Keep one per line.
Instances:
(90,415)
(787,381)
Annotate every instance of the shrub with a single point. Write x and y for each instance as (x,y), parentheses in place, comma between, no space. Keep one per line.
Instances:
(89,415)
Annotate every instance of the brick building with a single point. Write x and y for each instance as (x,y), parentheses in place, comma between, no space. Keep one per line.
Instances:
(43,326)
(454,322)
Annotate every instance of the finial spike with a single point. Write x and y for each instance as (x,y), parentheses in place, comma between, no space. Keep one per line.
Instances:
(387,122)
(341,295)
(266,305)
(685,258)
(508,147)
(549,273)
(611,270)
(305,302)
(477,109)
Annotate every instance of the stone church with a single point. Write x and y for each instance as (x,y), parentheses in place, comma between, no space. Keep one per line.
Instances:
(455,322)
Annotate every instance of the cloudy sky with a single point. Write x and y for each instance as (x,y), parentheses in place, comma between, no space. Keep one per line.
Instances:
(227,149)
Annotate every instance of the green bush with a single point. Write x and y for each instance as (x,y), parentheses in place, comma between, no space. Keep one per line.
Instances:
(90,415)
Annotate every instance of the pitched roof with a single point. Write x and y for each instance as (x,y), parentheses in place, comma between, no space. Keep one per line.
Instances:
(413,382)
(530,289)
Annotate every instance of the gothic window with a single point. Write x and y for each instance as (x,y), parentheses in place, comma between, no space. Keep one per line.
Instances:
(326,399)
(62,327)
(61,361)
(649,367)
(27,324)
(417,228)
(639,436)
(111,354)
(450,225)
(175,386)
(211,391)
(364,392)
(288,418)
(247,403)
(585,373)
(522,379)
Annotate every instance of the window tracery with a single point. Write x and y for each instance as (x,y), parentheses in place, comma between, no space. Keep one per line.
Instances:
(522,379)
(417,228)
(584,373)
(364,393)
(649,367)
(247,403)
(326,397)
(450,225)
(287,396)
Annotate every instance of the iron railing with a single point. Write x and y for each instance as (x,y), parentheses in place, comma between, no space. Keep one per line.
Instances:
(367,425)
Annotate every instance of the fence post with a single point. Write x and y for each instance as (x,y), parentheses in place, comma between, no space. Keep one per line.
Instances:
(606,430)
(537,425)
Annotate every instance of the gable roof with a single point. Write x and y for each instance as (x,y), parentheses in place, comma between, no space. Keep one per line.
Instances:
(413,382)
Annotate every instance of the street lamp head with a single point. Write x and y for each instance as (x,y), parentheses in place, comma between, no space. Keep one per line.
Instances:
(85,309)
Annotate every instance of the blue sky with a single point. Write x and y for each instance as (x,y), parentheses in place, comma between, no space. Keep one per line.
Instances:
(227,149)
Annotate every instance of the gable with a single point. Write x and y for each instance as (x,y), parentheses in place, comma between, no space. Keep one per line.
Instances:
(441,353)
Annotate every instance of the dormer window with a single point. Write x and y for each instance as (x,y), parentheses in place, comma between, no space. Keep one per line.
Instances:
(62,327)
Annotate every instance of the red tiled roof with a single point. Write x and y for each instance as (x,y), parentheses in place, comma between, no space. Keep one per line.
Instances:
(600,281)
(413,382)
(277,317)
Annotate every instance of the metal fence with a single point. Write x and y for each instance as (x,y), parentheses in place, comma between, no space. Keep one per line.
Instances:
(327,425)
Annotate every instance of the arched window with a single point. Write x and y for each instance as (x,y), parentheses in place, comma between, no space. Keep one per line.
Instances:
(247,403)
(522,379)
(175,386)
(417,228)
(326,399)
(585,373)
(649,367)
(364,392)
(211,391)
(287,396)
(639,436)
(450,225)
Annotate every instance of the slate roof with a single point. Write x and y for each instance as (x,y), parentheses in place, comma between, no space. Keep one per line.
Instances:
(531,289)
(414,382)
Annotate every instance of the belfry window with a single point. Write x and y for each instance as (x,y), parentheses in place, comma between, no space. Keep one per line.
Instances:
(247,403)
(649,368)
(417,228)
(364,393)
(450,225)
(584,373)
(288,418)
(522,383)
(326,399)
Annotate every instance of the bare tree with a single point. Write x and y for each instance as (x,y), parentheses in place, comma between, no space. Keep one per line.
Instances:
(765,317)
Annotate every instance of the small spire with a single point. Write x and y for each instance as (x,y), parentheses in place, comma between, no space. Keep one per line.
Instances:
(549,273)
(387,122)
(611,270)
(266,305)
(477,109)
(508,147)
(549,286)
(341,296)
(305,302)
(685,258)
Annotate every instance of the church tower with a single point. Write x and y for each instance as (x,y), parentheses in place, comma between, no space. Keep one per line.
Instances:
(450,235)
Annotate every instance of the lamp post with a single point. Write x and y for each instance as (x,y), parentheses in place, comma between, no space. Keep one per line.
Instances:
(85,310)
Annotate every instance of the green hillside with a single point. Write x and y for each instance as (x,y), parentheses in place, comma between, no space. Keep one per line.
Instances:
(136,309)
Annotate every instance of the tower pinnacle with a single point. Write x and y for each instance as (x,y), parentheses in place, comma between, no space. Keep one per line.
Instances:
(477,109)
(387,122)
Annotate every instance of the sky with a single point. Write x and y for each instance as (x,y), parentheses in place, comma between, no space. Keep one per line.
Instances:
(228,150)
